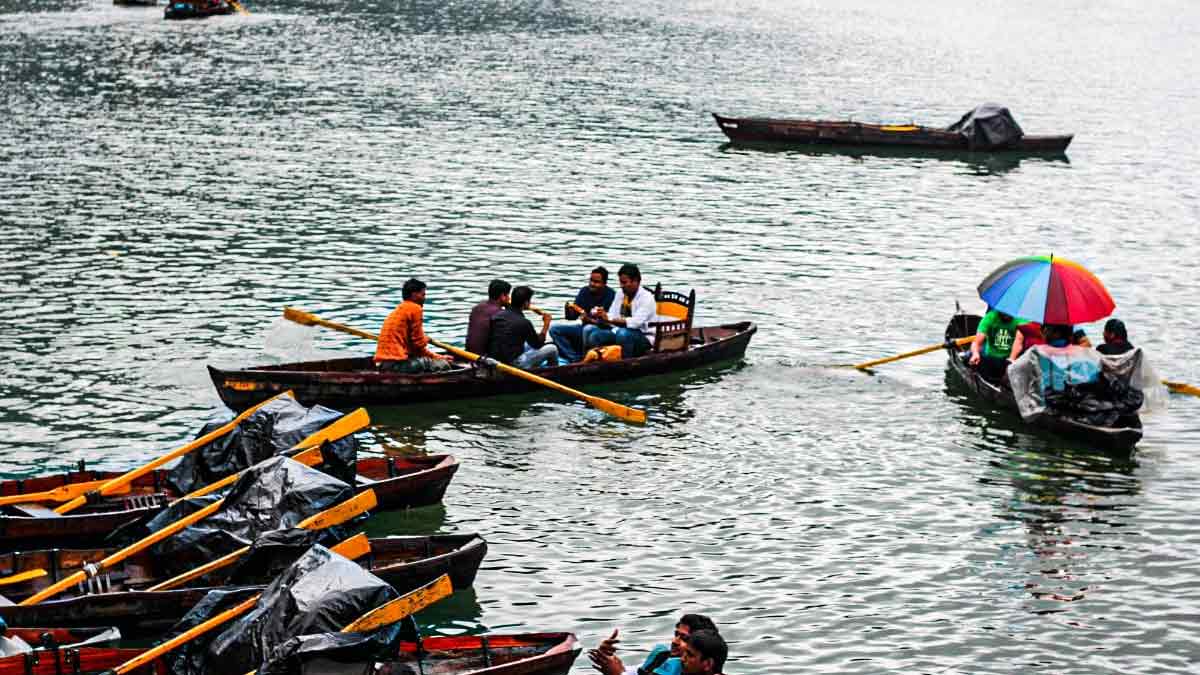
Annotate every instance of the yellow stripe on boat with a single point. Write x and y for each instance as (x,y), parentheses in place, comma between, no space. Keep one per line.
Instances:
(899,127)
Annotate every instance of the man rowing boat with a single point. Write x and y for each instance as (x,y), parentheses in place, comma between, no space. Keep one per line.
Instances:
(403,346)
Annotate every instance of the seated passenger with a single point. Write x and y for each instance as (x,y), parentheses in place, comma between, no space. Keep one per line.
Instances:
(1028,335)
(993,344)
(1063,363)
(479,325)
(1116,340)
(568,337)
(511,332)
(1080,338)
(627,321)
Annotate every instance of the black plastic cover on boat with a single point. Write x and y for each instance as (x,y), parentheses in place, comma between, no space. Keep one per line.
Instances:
(270,430)
(274,494)
(308,604)
(988,127)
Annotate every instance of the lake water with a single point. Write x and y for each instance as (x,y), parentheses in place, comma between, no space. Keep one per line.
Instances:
(166,188)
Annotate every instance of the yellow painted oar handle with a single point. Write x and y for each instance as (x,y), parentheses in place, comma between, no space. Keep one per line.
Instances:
(115,484)
(187,636)
(916,352)
(615,409)
(93,569)
(27,575)
(1182,388)
(360,503)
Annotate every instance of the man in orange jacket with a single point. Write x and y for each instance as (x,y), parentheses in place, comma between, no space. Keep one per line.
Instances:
(403,347)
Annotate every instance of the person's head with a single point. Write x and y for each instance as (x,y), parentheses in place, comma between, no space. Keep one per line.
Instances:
(598,280)
(414,289)
(1114,331)
(498,291)
(704,653)
(688,624)
(1056,335)
(630,277)
(521,296)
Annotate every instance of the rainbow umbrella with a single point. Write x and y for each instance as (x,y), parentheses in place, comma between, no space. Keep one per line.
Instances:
(1047,290)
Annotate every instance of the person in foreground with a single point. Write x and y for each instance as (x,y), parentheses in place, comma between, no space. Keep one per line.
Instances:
(993,344)
(403,346)
(704,653)
(511,331)
(479,326)
(662,660)
(568,337)
(1116,340)
(627,321)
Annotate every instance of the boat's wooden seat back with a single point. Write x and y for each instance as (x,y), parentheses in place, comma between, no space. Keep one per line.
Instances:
(673,330)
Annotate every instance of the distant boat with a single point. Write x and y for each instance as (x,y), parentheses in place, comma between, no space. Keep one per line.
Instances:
(136,3)
(988,128)
(197,9)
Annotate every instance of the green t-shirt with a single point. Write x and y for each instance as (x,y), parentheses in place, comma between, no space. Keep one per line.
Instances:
(1000,335)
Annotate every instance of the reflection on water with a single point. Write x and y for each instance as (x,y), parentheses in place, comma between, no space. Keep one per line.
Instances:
(978,163)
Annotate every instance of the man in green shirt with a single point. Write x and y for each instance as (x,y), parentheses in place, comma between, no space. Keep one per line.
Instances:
(993,344)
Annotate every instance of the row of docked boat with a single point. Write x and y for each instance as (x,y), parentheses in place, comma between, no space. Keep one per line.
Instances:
(242,554)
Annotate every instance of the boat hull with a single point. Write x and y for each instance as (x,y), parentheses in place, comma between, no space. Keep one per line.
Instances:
(1120,439)
(356,382)
(192,10)
(856,134)
(398,482)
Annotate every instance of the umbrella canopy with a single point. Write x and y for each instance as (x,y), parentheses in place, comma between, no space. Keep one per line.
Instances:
(1047,289)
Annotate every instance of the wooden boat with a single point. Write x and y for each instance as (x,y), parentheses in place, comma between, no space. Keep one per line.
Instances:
(117,597)
(1111,438)
(399,483)
(356,381)
(136,3)
(857,134)
(196,9)
(519,654)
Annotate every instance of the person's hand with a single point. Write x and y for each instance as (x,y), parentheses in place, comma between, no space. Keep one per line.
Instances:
(545,321)
(445,357)
(600,314)
(974,359)
(607,664)
(609,644)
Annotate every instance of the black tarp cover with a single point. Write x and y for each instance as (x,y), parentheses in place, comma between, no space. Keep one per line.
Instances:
(988,127)
(313,599)
(274,494)
(270,430)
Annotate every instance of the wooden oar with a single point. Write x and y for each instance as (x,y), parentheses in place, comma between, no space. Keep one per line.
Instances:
(960,342)
(345,426)
(389,613)
(397,609)
(117,483)
(238,6)
(93,569)
(27,575)
(360,503)
(60,494)
(615,409)
(1182,388)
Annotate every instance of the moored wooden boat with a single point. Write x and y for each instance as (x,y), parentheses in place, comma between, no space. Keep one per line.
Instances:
(196,9)
(857,134)
(398,482)
(516,654)
(136,3)
(118,597)
(1111,438)
(356,382)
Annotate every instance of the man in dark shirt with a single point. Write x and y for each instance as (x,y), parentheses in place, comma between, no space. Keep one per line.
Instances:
(479,326)
(568,337)
(1116,340)
(511,331)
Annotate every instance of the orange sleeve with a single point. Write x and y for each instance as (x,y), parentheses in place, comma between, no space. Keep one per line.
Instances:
(392,337)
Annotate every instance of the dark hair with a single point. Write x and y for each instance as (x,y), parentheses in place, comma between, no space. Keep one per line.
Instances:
(630,270)
(412,286)
(602,272)
(521,296)
(1116,327)
(711,645)
(497,288)
(696,622)
(1005,316)
(1056,331)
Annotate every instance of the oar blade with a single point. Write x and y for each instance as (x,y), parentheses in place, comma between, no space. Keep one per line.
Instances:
(358,504)
(344,426)
(1182,388)
(617,410)
(353,548)
(403,606)
(27,575)
(299,316)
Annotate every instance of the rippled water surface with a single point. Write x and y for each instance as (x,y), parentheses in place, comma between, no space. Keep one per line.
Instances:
(167,187)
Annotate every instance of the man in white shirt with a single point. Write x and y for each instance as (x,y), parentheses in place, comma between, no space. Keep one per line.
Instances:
(627,321)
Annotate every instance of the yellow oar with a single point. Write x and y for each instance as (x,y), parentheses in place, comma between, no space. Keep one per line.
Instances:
(27,575)
(395,610)
(615,409)
(360,503)
(238,6)
(61,494)
(1181,388)
(960,342)
(117,483)
(345,426)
